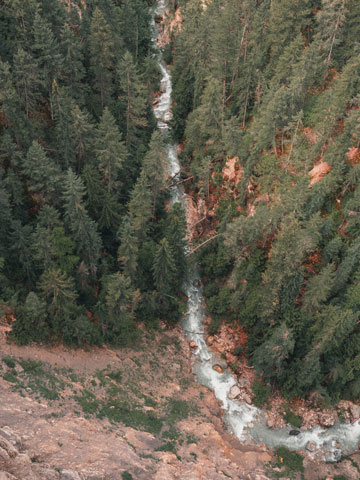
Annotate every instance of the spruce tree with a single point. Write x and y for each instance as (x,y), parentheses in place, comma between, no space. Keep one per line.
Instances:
(110,151)
(73,68)
(140,205)
(128,249)
(84,230)
(47,52)
(27,80)
(155,166)
(102,56)
(133,99)
(43,175)
(164,268)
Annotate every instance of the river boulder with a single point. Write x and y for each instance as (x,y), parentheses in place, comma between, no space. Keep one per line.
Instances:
(234,392)
(246,397)
(310,447)
(326,420)
(218,368)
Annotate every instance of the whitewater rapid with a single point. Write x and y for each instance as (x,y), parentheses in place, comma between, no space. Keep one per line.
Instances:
(247,422)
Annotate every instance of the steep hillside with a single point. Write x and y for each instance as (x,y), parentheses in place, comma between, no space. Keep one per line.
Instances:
(266,107)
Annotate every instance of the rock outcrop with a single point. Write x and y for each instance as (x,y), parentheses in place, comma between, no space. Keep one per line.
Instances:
(13,460)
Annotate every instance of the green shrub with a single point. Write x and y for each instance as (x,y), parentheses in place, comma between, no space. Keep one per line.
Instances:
(115,375)
(293,419)
(178,410)
(88,402)
(167,447)
(238,351)
(9,361)
(262,393)
(10,377)
(118,411)
(126,476)
(31,366)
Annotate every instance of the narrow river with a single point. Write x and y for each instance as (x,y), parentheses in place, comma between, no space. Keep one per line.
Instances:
(247,422)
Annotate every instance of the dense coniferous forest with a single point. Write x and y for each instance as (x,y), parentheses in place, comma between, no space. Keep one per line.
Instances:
(87,248)
(272,87)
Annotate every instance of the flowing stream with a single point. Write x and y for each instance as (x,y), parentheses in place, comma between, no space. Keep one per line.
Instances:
(247,422)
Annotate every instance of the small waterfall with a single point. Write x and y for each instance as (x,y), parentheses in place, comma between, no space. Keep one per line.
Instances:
(247,422)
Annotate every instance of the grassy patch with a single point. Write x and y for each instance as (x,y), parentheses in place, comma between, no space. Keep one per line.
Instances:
(88,402)
(39,379)
(178,410)
(120,412)
(115,375)
(9,361)
(290,463)
(167,447)
(190,438)
(172,434)
(149,402)
(10,377)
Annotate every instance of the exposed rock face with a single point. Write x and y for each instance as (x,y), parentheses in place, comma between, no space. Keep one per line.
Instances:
(6,476)
(318,172)
(348,411)
(354,411)
(69,475)
(20,464)
(8,447)
(232,172)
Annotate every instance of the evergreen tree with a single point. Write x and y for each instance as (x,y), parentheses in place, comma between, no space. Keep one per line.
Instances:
(83,131)
(84,231)
(164,268)
(73,68)
(175,231)
(43,174)
(110,151)
(155,166)
(271,357)
(22,251)
(132,98)
(102,55)
(128,250)
(31,321)
(47,52)
(27,80)
(120,303)
(140,205)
